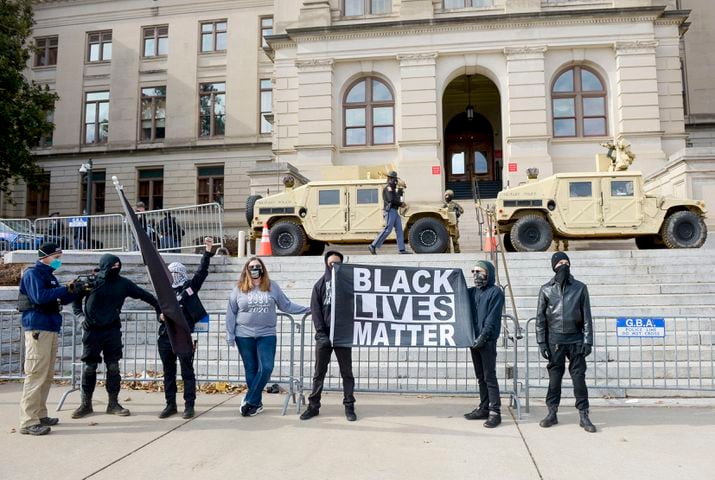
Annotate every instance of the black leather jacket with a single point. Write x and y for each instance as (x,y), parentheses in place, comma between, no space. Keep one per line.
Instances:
(564,312)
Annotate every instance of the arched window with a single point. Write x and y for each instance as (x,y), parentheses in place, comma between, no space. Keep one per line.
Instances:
(578,101)
(369,113)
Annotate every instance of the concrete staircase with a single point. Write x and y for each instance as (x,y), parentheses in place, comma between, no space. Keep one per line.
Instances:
(676,284)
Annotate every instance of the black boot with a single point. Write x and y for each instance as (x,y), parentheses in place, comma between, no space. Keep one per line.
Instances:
(169,410)
(493,421)
(309,413)
(550,419)
(585,422)
(350,413)
(188,411)
(114,408)
(85,408)
(478,413)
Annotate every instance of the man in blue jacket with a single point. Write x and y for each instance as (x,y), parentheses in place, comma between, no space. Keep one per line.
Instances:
(40,301)
(487,304)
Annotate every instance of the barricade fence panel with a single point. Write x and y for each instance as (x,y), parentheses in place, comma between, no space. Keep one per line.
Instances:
(85,232)
(18,234)
(181,229)
(682,360)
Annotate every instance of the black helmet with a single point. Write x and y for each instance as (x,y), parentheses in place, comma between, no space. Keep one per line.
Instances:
(392,174)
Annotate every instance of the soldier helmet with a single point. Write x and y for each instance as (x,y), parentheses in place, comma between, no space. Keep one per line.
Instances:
(392,174)
(449,192)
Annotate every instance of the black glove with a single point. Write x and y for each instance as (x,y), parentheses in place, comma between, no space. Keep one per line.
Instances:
(77,286)
(322,340)
(586,349)
(544,350)
(479,342)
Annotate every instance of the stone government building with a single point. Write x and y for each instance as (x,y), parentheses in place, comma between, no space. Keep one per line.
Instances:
(192,101)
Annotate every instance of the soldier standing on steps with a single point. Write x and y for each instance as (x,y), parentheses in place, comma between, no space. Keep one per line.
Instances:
(102,331)
(453,206)
(564,330)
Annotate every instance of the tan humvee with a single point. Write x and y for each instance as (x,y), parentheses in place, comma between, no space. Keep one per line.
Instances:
(303,219)
(607,204)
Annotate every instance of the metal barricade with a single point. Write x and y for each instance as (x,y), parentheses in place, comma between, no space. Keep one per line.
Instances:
(181,229)
(85,232)
(683,360)
(419,370)
(18,234)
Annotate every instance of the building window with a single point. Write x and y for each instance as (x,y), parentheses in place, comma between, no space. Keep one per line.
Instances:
(151,188)
(38,199)
(98,185)
(156,41)
(210,185)
(578,100)
(369,113)
(213,36)
(266,29)
(99,46)
(96,117)
(212,109)
(46,51)
(266,104)
(354,8)
(45,140)
(153,114)
(452,4)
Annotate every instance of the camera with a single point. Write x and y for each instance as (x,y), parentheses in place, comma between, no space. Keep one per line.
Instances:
(85,283)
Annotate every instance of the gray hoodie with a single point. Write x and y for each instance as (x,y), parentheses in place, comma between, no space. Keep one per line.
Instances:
(253,314)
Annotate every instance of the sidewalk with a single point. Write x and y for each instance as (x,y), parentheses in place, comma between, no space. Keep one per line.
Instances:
(395,437)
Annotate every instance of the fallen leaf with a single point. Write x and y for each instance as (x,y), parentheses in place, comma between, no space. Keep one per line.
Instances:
(128,399)
(92,424)
(12,430)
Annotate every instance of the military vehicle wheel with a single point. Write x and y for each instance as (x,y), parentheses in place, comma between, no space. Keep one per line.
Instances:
(684,230)
(316,248)
(508,245)
(428,235)
(250,203)
(649,242)
(531,233)
(287,238)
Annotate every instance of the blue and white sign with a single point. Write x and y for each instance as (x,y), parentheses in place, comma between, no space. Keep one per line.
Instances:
(640,327)
(202,326)
(76,222)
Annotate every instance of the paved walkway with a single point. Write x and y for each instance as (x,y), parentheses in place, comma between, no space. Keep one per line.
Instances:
(395,437)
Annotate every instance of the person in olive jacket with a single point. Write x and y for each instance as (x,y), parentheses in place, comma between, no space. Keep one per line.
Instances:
(187,291)
(564,330)
(487,301)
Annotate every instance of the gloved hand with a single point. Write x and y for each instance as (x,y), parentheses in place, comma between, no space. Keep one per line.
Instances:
(479,342)
(586,349)
(77,286)
(544,350)
(322,340)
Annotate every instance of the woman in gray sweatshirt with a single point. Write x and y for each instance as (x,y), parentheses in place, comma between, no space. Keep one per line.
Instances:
(251,320)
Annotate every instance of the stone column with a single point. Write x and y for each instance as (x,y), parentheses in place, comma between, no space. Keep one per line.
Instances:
(417,127)
(527,139)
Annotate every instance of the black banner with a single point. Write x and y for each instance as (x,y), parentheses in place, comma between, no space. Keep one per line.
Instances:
(400,306)
(176,325)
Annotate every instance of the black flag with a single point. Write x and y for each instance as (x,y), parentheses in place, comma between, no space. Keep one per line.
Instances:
(176,325)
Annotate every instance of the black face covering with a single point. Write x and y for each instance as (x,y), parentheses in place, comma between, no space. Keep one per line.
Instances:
(113,272)
(255,271)
(392,181)
(480,280)
(562,274)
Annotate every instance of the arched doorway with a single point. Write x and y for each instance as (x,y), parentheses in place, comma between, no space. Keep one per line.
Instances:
(472,140)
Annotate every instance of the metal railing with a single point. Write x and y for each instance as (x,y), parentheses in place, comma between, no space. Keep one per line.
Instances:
(182,228)
(85,232)
(17,234)
(683,360)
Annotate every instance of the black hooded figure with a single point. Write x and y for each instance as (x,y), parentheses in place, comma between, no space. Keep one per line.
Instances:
(102,331)
(487,301)
(320,309)
(564,330)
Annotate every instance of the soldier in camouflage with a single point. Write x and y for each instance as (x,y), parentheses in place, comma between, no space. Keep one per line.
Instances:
(453,206)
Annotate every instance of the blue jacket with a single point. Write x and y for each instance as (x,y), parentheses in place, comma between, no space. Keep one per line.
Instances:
(43,289)
(487,304)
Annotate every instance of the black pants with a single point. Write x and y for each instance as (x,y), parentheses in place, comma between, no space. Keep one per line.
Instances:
(485,366)
(168,360)
(323,350)
(577,369)
(95,345)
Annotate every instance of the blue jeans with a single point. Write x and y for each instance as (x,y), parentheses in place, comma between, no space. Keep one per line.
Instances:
(258,354)
(392,220)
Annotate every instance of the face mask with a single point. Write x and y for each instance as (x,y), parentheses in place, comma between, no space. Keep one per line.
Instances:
(480,280)
(562,274)
(255,271)
(392,182)
(56,263)
(334,263)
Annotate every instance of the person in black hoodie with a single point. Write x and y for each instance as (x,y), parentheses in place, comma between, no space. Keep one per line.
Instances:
(487,303)
(187,291)
(320,309)
(564,330)
(102,331)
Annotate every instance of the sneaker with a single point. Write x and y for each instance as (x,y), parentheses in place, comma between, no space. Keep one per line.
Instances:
(372,249)
(243,401)
(477,414)
(251,410)
(49,421)
(309,413)
(38,429)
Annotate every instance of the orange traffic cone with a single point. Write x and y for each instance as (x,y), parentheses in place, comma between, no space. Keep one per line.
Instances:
(490,243)
(264,250)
